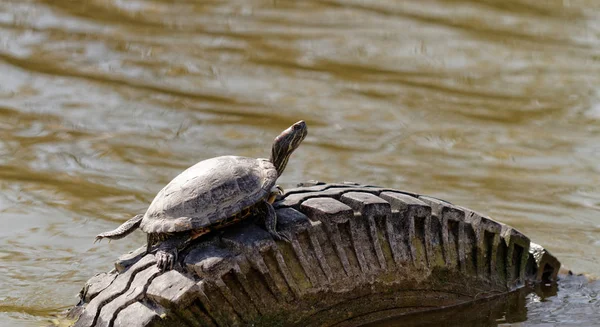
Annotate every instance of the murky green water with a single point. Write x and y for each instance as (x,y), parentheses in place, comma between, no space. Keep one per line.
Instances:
(493,105)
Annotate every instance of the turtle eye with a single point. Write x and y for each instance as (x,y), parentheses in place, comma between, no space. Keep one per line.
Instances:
(299,125)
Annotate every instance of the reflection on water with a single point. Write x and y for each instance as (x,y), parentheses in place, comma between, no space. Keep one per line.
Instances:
(573,302)
(491,313)
(493,105)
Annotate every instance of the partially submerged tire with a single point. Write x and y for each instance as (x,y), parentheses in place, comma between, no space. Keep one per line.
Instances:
(358,254)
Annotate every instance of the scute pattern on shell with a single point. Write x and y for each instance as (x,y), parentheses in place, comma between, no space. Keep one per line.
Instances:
(208,192)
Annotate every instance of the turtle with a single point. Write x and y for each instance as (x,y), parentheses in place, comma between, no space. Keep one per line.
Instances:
(210,195)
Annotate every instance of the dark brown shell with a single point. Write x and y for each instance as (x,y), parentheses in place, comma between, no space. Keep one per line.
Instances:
(209,192)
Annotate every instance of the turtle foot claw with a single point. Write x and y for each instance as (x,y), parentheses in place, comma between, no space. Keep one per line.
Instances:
(165,260)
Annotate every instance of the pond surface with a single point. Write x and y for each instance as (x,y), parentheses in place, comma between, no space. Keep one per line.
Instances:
(492,105)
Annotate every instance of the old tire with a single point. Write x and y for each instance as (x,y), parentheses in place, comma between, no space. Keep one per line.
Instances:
(358,254)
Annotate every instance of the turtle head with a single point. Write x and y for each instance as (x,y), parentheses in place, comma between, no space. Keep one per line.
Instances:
(286,143)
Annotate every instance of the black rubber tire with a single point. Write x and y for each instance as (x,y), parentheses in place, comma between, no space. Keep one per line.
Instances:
(358,254)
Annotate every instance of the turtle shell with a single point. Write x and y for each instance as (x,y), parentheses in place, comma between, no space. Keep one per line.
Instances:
(209,191)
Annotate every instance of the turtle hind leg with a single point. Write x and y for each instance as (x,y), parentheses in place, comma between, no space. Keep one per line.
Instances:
(167,251)
(152,239)
(127,228)
(165,258)
(270,217)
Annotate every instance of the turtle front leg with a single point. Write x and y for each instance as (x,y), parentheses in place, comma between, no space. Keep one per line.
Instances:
(271,223)
(276,191)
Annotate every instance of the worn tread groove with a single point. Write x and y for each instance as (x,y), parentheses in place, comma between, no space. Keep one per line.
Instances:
(93,295)
(259,286)
(490,254)
(283,289)
(287,275)
(348,248)
(427,240)
(471,247)
(455,233)
(411,235)
(258,263)
(131,276)
(336,238)
(228,314)
(199,312)
(186,318)
(182,317)
(216,316)
(316,247)
(135,299)
(394,240)
(375,242)
(255,299)
(370,246)
(460,245)
(371,208)
(306,267)
(237,307)
(356,246)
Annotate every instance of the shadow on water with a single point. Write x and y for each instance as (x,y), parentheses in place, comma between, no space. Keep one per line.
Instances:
(573,301)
